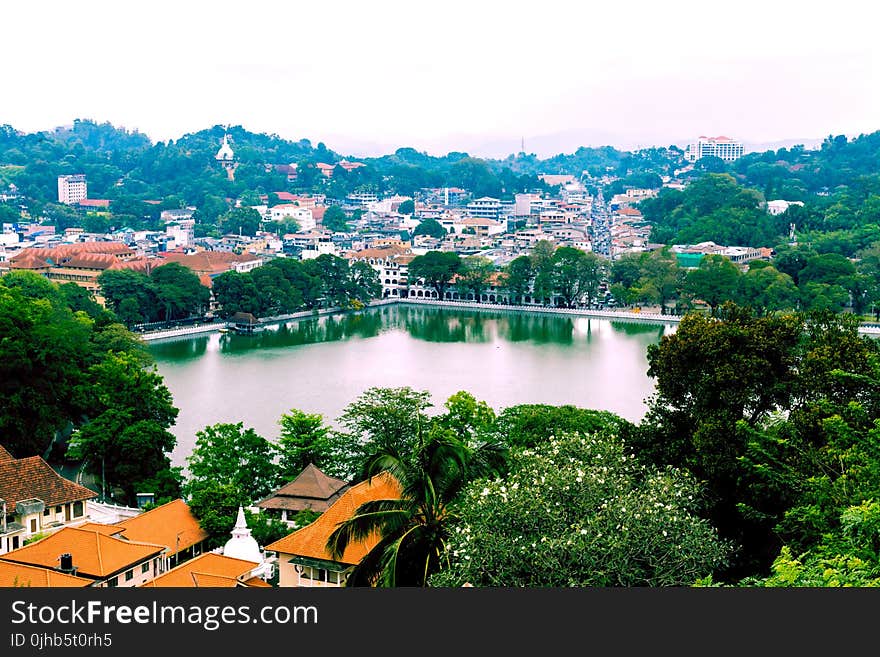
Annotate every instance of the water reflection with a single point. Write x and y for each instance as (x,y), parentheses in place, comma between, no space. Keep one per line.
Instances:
(180,349)
(423,323)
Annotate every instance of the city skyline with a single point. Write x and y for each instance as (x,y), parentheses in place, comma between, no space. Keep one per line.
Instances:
(366,79)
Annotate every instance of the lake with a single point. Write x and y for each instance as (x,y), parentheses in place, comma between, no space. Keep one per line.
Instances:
(321,364)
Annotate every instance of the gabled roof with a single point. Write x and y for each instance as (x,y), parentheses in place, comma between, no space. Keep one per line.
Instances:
(172,525)
(208,570)
(32,477)
(94,554)
(4,455)
(311,489)
(311,540)
(18,574)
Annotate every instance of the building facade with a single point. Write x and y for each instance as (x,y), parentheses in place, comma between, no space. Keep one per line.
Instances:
(722,147)
(72,189)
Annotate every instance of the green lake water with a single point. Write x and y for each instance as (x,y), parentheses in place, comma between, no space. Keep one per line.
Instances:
(321,364)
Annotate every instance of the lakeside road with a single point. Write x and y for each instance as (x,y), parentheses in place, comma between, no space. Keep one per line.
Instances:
(650,314)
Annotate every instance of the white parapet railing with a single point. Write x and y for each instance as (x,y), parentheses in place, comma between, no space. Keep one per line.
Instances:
(580,312)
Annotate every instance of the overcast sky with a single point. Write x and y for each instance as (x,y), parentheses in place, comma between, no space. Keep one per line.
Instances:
(476,75)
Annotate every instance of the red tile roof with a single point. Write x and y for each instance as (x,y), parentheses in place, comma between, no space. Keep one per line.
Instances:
(172,525)
(32,477)
(95,202)
(311,540)
(18,574)
(208,570)
(94,554)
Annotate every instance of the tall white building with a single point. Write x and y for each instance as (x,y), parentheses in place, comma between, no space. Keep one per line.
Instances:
(724,147)
(72,189)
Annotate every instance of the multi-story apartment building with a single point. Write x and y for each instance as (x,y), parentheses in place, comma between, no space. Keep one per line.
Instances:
(72,189)
(723,147)
(484,208)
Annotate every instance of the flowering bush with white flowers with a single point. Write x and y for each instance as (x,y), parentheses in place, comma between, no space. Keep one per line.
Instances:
(581,511)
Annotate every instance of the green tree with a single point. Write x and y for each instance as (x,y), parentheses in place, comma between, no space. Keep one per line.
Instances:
(241,221)
(389,419)
(715,281)
(236,292)
(179,292)
(436,268)
(228,453)
(407,207)
(474,275)
(365,284)
(583,504)
(431,228)
(304,439)
(335,220)
(542,264)
(576,275)
(517,277)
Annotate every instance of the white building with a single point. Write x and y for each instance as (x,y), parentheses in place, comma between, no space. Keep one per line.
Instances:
(303,216)
(484,208)
(72,189)
(723,147)
(778,206)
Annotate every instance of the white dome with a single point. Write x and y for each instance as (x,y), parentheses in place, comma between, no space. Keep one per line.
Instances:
(242,545)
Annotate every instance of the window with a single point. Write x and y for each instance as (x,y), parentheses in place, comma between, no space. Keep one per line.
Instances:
(58,509)
(33,525)
(113,581)
(45,512)
(129,575)
(77,509)
(145,567)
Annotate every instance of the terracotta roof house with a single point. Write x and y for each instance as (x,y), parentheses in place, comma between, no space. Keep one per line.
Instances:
(170,525)
(106,560)
(311,490)
(35,499)
(19,574)
(303,559)
(209,570)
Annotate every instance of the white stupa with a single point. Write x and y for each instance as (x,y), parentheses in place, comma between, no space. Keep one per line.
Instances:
(242,545)
(225,153)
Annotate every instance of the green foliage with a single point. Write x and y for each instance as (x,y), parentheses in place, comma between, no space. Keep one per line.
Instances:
(304,439)
(265,529)
(381,419)
(335,219)
(239,457)
(531,425)
(430,227)
(436,268)
(580,511)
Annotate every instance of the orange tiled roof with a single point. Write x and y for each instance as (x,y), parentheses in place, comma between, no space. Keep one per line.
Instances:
(378,252)
(206,570)
(172,525)
(209,262)
(62,251)
(311,540)
(5,455)
(18,574)
(25,260)
(32,477)
(101,528)
(94,554)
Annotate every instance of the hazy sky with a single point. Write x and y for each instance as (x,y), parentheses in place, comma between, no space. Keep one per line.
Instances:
(454,75)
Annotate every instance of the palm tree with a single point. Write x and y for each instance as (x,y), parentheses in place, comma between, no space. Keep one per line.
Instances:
(414,528)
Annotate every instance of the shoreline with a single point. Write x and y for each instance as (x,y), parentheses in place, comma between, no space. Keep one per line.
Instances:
(620,315)
(651,318)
